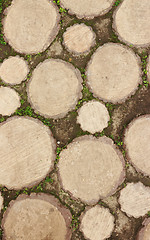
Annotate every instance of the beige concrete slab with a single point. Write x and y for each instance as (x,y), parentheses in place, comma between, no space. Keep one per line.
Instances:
(145,231)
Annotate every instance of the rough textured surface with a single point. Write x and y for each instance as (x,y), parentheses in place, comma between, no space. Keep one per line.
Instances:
(79,38)
(89,162)
(113,73)
(1,201)
(34,22)
(93,117)
(13,70)
(54,88)
(26,150)
(97,223)
(36,217)
(9,101)
(144,233)
(133,13)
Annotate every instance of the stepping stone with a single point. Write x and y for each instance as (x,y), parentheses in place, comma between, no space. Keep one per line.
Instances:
(97,223)
(136,142)
(87,8)
(113,72)
(132,22)
(9,101)
(36,217)
(27,151)
(54,88)
(93,117)
(89,162)
(79,38)
(135,199)
(34,22)
(14,70)
(145,231)
(1,201)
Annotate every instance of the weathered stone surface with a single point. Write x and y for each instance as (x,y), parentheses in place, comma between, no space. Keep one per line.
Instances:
(145,231)
(132,22)
(26,150)
(1,201)
(36,217)
(54,88)
(97,223)
(113,72)
(14,70)
(89,162)
(93,117)
(34,22)
(79,38)
(9,101)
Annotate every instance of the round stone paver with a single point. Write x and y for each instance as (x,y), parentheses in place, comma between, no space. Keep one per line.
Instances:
(132,22)
(9,101)
(87,8)
(79,38)
(89,162)
(135,199)
(36,217)
(145,231)
(34,22)
(14,70)
(27,151)
(54,88)
(136,139)
(97,223)
(93,117)
(113,72)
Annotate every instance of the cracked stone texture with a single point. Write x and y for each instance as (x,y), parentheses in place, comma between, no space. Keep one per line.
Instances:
(93,117)
(54,88)
(89,162)
(113,72)
(36,217)
(132,22)
(1,201)
(27,152)
(97,223)
(14,70)
(9,101)
(144,233)
(79,38)
(34,22)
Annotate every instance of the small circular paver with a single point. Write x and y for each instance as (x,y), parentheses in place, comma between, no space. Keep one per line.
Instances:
(133,13)
(27,151)
(113,72)
(97,223)
(54,88)
(145,231)
(1,201)
(135,199)
(136,139)
(34,22)
(87,8)
(93,117)
(13,70)
(89,162)
(79,38)
(9,101)
(36,217)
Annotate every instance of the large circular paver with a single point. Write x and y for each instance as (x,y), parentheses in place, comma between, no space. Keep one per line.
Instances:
(93,117)
(145,231)
(97,223)
(132,22)
(54,88)
(26,150)
(87,8)
(34,22)
(89,162)
(36,217)
(113,72)
(137,137)
(14,70)
(9,101)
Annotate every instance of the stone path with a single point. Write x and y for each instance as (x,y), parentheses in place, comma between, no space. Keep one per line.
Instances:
(74,120)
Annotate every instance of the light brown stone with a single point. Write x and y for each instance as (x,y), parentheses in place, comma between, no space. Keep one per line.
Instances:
(54,88)
(145,231)
(34,22)
(27,152)
(89,162)
(113,72)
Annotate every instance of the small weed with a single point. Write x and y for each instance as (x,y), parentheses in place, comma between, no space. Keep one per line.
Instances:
(119,143)
(117,2)
(124,153)
(2,119)
(148,213)
(110,106)
(61,10)
(49,180)
(22,101)
(27,111)
(28,57)
(25,191)
(144,63)
(39,188)
(74,223)
(102,133)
